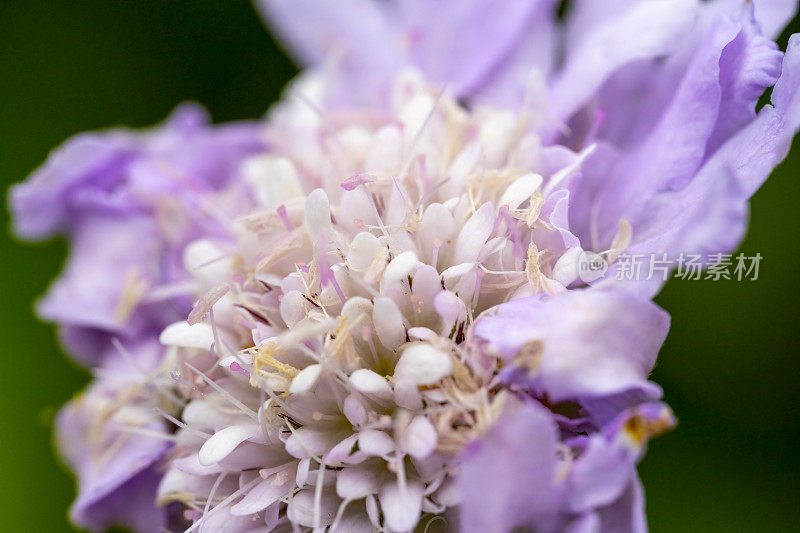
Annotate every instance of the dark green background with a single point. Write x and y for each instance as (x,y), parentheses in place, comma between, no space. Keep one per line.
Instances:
(729,367)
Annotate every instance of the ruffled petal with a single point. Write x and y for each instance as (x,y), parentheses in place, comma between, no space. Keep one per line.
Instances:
(99,437)
(645,30)
(508,477)
(579,344)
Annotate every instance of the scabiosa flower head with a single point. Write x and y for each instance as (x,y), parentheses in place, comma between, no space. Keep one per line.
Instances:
(350,352)
(366,312)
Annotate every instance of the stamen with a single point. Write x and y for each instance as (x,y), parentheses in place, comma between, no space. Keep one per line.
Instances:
(413,149)
(318,495)
(211,494)
(182,425)
(225,394)
(285,218)
(223,503)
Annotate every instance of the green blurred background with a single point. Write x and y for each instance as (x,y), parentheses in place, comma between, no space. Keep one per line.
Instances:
(729,367)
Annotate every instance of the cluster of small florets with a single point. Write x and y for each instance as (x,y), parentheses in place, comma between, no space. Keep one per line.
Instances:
(327,369)
(367,312)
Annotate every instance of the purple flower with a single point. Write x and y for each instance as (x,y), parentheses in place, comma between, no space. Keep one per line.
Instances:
(389,321)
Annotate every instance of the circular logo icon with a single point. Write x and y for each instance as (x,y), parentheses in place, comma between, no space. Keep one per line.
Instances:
(591,266)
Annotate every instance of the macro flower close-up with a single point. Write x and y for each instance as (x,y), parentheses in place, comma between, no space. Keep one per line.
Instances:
(424,290)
